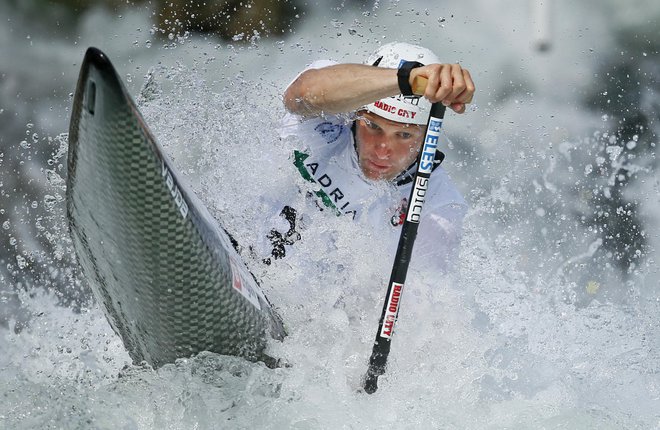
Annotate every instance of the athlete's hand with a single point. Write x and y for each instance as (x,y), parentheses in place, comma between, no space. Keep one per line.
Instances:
(447,83)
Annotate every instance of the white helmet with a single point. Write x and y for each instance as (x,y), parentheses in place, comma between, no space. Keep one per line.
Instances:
(406,109)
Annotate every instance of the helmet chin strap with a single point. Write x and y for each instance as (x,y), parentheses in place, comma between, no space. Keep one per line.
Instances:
(408,174)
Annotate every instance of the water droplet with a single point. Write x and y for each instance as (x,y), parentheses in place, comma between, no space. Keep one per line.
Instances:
(49,202)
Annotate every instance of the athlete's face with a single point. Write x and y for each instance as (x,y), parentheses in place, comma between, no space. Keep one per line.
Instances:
(385,148)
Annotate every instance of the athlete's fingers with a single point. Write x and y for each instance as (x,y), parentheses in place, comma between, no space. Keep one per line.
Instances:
(457,107)
(468,92)
(458,82)
(447,83)
(433,76)
(466,95)
(443,91)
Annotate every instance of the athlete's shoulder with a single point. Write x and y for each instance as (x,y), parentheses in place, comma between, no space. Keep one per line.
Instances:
(443,191)
(316,131)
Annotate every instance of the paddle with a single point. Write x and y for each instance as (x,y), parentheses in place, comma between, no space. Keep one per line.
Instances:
(381,349)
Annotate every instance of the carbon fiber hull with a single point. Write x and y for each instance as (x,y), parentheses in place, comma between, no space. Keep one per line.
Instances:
(165,273)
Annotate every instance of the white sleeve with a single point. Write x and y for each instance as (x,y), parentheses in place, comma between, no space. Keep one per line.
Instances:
(290,122)
(438,239)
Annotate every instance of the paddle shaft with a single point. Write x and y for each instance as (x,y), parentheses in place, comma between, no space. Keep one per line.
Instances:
(381,349)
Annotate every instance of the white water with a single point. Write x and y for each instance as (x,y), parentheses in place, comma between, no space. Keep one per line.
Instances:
(538,330)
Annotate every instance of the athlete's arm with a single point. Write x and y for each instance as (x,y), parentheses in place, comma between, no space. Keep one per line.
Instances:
(339,88)
(346,87)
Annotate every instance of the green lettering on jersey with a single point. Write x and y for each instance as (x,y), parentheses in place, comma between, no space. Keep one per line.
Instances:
(299,162)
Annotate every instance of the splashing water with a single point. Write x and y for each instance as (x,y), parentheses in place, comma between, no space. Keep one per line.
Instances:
(538,329)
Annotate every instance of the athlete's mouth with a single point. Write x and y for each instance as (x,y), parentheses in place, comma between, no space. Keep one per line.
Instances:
(378,166)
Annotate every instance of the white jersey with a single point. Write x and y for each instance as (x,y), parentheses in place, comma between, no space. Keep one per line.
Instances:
(329,160)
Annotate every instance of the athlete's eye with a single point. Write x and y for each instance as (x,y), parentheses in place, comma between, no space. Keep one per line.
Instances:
(405,135)
(369,124)
(372,125)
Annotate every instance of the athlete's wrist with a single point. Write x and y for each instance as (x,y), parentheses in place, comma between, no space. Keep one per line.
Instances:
(403,77)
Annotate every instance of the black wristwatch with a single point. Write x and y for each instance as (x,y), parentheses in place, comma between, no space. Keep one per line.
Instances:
(403,74)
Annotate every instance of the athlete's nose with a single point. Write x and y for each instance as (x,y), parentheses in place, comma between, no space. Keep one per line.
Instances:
(383,149)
